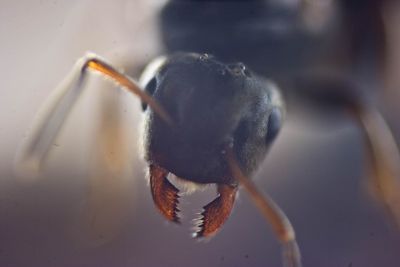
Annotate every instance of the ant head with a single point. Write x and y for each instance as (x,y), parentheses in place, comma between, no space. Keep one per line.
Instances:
(200,93)
(217,109)
(212,105)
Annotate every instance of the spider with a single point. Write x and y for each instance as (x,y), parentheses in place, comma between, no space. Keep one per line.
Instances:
(212,119)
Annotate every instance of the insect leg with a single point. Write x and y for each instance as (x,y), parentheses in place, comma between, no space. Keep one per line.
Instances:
(271,212)
(52,114)
(342,93)
(106,69)
(384,159)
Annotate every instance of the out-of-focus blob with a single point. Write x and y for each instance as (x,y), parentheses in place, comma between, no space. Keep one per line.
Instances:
(49,121)
(108,202)
(384,161)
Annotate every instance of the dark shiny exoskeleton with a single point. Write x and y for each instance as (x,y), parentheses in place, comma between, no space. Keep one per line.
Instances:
(213,106)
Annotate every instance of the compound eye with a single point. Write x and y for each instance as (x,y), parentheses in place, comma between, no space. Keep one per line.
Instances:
(152,69)
(150,89)
(274,125)
(148,80)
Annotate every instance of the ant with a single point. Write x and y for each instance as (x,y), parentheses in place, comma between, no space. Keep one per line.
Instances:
(211,118)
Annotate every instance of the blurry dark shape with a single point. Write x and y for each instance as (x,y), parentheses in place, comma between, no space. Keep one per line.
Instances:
(268,36)
(365,31)
(280,39)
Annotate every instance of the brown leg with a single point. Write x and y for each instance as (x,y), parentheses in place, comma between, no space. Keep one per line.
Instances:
(165,195)
(52,114)
(384,159)
(107,70)
(216,212)
(272,213)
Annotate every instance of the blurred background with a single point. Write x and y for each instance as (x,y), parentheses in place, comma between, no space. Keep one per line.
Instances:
(91,206)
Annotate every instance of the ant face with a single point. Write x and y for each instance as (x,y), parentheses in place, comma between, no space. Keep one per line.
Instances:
(213,106)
